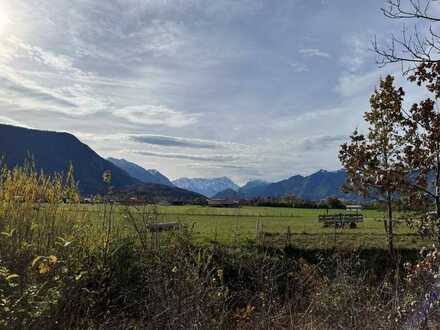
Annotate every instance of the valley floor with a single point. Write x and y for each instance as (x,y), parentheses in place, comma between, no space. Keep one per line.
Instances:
(239,225)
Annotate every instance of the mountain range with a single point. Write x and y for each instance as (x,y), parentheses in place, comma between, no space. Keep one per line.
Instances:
(55,151)
(141,174)
(206,187)
(317,186)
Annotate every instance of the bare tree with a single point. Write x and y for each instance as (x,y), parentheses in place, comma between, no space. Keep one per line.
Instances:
(418,42)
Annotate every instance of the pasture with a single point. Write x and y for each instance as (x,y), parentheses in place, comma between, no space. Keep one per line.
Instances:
(236,226)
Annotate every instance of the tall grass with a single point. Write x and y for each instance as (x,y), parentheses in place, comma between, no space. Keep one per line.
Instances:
(59,270)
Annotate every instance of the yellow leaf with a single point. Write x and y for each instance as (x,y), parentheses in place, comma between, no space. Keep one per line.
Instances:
(43,268)
(52,260)
(36,260)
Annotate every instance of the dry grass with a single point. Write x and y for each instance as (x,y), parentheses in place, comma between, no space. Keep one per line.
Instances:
(60,270)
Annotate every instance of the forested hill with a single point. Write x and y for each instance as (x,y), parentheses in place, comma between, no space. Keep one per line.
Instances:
(54,152)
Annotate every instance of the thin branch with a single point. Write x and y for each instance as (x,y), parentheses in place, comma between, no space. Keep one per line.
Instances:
(414,47)
(395,10)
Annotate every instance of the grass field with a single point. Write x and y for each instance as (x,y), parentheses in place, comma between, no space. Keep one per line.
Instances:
(238,226)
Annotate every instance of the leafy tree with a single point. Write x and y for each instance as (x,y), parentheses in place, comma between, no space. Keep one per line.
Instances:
(418,50)
(422,143)
(290,199)
(374,162)
(335,203)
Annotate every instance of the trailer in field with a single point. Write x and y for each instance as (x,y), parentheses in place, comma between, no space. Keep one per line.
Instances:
(352,217)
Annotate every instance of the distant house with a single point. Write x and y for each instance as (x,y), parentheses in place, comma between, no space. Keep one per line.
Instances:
(223,203)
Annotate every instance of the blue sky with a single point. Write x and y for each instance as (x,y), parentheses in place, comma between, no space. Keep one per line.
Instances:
(250,89)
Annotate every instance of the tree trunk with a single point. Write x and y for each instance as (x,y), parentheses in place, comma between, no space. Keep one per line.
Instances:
(389,226)
(437,213)
(437,199)
(390,229)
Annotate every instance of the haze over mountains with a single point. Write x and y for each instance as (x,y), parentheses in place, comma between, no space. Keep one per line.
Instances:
(207,187)
(54,152)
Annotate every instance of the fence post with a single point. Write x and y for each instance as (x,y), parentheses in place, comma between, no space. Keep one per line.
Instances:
(289,236)
(257,229)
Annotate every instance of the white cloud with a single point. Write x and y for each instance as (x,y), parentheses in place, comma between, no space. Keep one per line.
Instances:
(194,157)
(45,82)
(187,75)
(314,52)
(357,52)
(156,115)
(297,67)
(9,121)
(350,84)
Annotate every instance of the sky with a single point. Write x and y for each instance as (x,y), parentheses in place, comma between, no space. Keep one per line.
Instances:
(249,89)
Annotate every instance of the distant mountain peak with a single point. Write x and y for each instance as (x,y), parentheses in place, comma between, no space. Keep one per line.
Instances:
(206,186)
(253,184)
(140,173)
(319,185)
(229,194)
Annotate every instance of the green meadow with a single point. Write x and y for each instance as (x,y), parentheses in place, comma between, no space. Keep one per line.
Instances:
(239,226)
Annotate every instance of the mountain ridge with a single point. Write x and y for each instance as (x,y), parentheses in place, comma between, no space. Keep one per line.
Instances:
(55,151)
(206,186)
(154,193)
(140,173)
(316,186)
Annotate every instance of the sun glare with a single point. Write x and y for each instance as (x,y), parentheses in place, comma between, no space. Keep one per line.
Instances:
(4,21)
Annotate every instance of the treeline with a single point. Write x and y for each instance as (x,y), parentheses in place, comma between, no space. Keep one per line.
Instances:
(294,202)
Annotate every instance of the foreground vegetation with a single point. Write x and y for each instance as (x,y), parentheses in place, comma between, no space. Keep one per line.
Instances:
(60,269)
